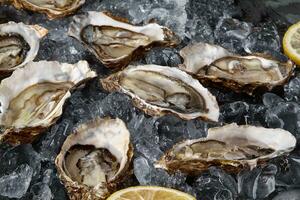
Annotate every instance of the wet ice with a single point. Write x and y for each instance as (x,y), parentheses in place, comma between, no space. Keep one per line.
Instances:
(216,184)
(15,184)
(289,194)
(263,39)
(213,21)
(257,183)
(164,57)
(231,33)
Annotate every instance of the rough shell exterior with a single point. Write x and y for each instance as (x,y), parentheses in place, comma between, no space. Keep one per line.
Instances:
(161,36)
(51,13)
(280,140)
(78,191)
(32,74)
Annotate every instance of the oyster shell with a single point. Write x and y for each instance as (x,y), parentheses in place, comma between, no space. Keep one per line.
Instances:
(95,158)
(198,55)
(230,147)
(31,99)
(52,8)
(114,41)
(19,44)
(158,90)
(239,73)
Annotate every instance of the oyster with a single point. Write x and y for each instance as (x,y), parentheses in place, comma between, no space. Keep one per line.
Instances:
(114,41)
(230,147)
(158,90)
(19,44)
(31,99)
(95,158)
(199,55)
(52,8)
(240,73)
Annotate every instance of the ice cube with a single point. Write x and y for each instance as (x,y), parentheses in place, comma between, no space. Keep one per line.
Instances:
(231,33)
(257,183)
(216,184)
(292,194)
(292,90)
(15,184)
(263,39)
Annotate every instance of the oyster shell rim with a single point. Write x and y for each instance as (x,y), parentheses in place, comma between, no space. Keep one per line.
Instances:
(51,14)
(251,89)
(248,88)
(79,22)
(32,34)
(87,192)
(185,51)
(15,135)
(231,166)
(111,83)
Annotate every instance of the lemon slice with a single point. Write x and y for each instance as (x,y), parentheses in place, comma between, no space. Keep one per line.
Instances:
(150,193)
(291,43)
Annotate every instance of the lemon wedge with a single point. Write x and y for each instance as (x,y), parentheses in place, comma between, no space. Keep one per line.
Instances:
(291,43)
(150,193)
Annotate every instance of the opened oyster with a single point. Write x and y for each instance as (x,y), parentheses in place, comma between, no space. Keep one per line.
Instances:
(230,147)
(158,90)
(95,158)
(31,99)
(114,41)
(19,44)
(53,8)
(199,55)
(240,73)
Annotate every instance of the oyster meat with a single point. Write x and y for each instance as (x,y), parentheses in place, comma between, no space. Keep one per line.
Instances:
(158,90)
(19,44)
(95,158)
(230,147)
(198,55)
(114,41)
(240,73)
(52,8)
(32,98)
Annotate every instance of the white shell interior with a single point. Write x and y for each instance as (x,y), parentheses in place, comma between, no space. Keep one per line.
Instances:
(43,71)
(31,35)
(199,55)
(35,5)
(278,139)
(210,100)
(110,134)
(152,30)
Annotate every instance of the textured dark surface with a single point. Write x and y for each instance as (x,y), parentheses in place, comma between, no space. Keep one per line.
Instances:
(241,26)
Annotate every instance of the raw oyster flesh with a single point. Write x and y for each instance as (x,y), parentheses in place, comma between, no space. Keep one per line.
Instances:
(19,44)
(239,73)
(158,90)
(95,158)
(53,8)
(114,41)
(32,98)
(199,55)
(230,147)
